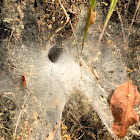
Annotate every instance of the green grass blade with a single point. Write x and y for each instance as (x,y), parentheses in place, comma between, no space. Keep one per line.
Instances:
(112,6)
(92,3)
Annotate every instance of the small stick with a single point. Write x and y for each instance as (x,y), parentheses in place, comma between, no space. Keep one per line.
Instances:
(68,18)
(10,38)
(81,136)
(40,21)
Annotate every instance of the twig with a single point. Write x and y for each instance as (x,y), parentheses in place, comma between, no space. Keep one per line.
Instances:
(57,30)
(80,136)
(68,18)
(40,21)
(10,38)
(53,34)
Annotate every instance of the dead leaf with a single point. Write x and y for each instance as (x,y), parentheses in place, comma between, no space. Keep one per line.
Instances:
(92,16)
(24,81)
(123,101)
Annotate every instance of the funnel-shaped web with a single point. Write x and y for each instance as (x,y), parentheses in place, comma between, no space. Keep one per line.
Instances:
(50,79)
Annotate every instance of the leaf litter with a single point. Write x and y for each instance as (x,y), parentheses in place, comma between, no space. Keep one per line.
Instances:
(123,101)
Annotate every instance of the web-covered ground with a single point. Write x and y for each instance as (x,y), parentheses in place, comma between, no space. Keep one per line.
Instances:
(60,88)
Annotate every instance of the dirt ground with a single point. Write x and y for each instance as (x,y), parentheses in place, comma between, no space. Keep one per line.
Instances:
(33,22)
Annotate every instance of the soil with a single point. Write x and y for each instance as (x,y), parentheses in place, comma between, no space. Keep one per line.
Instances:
(39,25)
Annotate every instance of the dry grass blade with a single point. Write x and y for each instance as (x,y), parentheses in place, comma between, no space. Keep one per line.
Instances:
(137,7)
(122,25)
(112,6)
(91,7)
